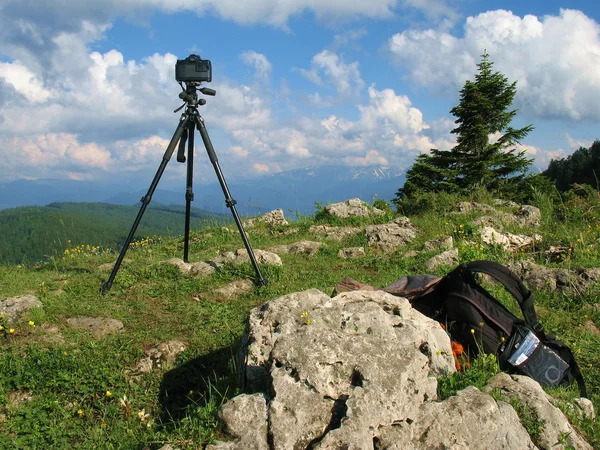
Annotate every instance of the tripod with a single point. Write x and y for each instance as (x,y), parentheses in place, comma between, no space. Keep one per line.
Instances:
(189,121)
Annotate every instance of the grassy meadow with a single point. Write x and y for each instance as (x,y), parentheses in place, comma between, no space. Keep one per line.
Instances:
(83,392)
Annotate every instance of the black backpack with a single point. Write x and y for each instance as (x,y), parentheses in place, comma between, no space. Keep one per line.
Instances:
(478,321)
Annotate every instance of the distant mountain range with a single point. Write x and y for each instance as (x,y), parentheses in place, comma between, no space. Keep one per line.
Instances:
(293,191)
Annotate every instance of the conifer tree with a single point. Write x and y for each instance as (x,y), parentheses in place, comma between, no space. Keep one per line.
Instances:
(483,112)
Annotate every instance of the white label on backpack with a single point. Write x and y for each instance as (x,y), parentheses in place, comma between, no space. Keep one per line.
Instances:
(526,348)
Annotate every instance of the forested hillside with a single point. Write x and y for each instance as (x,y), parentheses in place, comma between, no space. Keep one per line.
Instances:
(582,167)
(30,234)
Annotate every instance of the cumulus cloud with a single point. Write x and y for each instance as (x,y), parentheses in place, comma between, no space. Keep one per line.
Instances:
(23,81)
(344,77)
(554,59)
(387,131)
(260,63)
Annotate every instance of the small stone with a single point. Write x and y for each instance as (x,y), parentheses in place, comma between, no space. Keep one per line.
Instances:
(352,253)
(15,307)
(447,258)
(98,326)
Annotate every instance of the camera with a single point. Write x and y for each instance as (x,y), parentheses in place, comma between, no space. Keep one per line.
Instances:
(193,69)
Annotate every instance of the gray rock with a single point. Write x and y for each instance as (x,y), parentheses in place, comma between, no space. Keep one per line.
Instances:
(352,253)
(352,208)
(183,267)
(530,393)
(144,365)
(528,216)
(469,420)
(98,326)
(245,418)
(161,355)
(586,407)
(300,247)
(201,269)
(391,236)
(240,256)
(510,242)
(488,221)
(447,258)
(229,291)
(271,219)
(197,269)
(443,243)
(341,360)
(358,371)
(335,233)
(166,352)
(15,307)
(539,277)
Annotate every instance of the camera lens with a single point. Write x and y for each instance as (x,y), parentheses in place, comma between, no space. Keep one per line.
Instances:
(552,374)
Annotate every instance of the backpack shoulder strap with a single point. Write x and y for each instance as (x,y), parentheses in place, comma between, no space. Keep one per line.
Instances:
(514,285)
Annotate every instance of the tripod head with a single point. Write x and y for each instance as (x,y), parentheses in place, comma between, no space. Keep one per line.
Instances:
(189,95)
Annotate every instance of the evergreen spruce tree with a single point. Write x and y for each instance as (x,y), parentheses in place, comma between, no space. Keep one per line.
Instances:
(483,111)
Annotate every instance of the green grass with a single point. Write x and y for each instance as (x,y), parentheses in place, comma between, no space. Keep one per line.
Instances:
(68,381)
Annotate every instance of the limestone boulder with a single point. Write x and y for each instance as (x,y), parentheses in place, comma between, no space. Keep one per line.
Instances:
(15,307)
(510,242)
(530,393)
(447,258)
(443,243)
(240,256)
(352,208)
(271,219)
(538,277)
(352,253)
(300,247)
(391,236)
(359,371)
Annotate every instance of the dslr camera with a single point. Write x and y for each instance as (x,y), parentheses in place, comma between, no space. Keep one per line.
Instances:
(193,69)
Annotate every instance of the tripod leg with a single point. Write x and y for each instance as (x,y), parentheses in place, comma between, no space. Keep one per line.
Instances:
(146,200)
(260,281)
(189,194)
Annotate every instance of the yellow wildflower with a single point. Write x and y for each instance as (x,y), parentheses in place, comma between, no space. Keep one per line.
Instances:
(31,323)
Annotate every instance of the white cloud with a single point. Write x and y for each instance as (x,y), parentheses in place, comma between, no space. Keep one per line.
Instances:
(344,77)
(372,158)
(554,59)
(63,13)
(24,81)
(260,63)
(387,131)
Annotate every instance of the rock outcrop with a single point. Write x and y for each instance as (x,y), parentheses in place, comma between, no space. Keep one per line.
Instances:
(360,371)
(391,236)
(354,207)
(538,277)
(270,219)
(15,307)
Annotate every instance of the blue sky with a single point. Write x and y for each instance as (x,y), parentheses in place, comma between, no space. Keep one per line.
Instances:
(87,89)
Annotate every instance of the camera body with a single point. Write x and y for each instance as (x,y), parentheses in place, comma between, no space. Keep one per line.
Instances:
(193,69)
